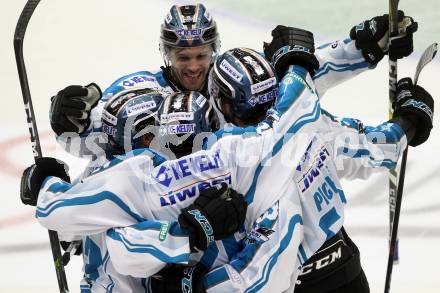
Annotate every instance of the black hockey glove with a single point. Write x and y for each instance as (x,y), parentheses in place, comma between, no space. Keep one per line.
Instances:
(33,178)
(291,46)
(175,279)
(74,247)
(70,108)
(413,111)
(215,214)
(371,37)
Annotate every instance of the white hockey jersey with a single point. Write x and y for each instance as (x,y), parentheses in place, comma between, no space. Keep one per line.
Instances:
(298,159)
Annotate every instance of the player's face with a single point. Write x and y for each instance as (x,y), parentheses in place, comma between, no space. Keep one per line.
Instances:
(190,66)
(226,108)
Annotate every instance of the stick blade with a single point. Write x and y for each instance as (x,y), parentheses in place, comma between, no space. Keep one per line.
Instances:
(427,56)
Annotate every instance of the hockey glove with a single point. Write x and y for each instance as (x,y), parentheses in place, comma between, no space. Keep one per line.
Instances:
(175,279)
(34,176)
(70,108)
(414,107)
(371,37)
(291,46)
(74,247)
(214,215)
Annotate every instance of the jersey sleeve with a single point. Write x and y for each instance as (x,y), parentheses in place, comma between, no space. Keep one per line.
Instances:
(98,202)
(362,150)
(269,256)
(338,62)
(143,249)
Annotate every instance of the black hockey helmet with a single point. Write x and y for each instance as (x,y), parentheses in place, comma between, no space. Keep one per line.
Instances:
(242,78)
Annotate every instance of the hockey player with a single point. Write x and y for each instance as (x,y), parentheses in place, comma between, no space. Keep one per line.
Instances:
(343,274)
(129,120)
(241,102)
(325,68)
(257,163)
(189,42)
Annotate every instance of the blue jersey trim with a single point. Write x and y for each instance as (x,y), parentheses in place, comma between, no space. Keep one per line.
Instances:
(284,243)
(58,186)
(147,249)
(297,125)
(209,256)
(174,228)
(326,67)
(87,200)
(215,277)
(242,258)
(359,153)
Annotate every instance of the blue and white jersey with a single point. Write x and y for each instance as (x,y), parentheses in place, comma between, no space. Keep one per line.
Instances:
(292,163)
(338,62)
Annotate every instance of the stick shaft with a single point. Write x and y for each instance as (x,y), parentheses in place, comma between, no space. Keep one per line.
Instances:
(19,34)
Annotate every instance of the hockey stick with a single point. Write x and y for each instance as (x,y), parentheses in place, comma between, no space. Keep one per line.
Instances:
(20,31)
(426,57)
(392,174)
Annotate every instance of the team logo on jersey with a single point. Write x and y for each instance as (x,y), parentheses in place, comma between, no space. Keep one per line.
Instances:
(182,168)
(164,231)
(258,235)
(189,191)
(314,171)
(136,80)
(314,164)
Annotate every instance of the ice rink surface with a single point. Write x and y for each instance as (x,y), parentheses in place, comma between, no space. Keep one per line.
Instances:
(77,42)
